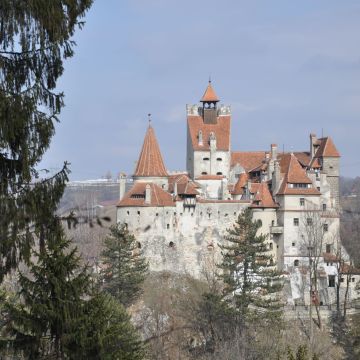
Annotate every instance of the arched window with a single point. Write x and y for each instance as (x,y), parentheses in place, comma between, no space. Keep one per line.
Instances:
(171,244)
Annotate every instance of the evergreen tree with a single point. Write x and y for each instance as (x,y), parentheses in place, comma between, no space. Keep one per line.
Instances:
(35,38)
(105,332)
(124,267)
(251,283)
(51,300)
(60,316)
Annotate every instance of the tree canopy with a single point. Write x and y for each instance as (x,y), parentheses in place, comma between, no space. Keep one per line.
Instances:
(35,39)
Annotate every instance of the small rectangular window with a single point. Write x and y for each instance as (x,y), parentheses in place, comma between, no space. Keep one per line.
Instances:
(331,280)
(326,227)
(302,201)
(328,248)
(293,244)
(296,221)
(309,221)
(324,207)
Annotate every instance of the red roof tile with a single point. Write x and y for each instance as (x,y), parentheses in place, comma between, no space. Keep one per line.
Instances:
(294,174)
(209,94)
(136,196)
(249,160)
(240,184)
(210,177)
(263,198)
(150,160)
(184,185)
(327,148)
(221,130)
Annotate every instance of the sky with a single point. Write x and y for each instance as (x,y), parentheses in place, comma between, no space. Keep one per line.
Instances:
(287,68)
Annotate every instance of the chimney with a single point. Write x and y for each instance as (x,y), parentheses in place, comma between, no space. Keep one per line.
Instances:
(122,178)
(147,194)
(273,152)
(212,141)
(313,145)
(275,184)
(175,189)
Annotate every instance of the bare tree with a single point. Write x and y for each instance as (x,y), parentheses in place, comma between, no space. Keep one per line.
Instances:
(315,234)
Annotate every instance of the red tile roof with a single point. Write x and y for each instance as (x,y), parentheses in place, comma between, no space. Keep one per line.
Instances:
(184,185)
(136,196)
(263,198)
(249,160)
(240,184)
(221,130)
(210,177)
(294,174)
(327,148)
(209,94)
(150,160)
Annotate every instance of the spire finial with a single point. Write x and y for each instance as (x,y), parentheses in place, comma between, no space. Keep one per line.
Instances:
(209,79)
(149,119)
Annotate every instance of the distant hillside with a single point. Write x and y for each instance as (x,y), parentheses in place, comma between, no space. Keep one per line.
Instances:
(89,200)
(350,216)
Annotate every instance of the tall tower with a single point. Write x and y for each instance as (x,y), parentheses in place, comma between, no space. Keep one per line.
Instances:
(208,137)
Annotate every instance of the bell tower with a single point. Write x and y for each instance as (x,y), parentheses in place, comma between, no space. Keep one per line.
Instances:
(209,105)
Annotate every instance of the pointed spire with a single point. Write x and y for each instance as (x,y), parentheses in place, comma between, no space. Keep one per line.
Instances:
(150,161)
(209,94)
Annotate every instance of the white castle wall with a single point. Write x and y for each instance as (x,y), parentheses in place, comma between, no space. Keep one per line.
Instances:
(178,239)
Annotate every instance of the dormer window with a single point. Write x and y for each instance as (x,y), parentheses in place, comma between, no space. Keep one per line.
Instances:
(200,138)
(298,186)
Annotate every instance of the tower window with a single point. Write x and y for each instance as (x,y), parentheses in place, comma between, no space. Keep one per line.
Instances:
(328,248)
(326,227)
(296,262)
(331,280)
(324,207)
(171,244)
(168,226)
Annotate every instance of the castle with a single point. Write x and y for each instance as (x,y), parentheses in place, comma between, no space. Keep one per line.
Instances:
(180,218)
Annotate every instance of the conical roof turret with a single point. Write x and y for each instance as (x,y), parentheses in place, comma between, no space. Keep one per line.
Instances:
(209,94)
(150,161)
